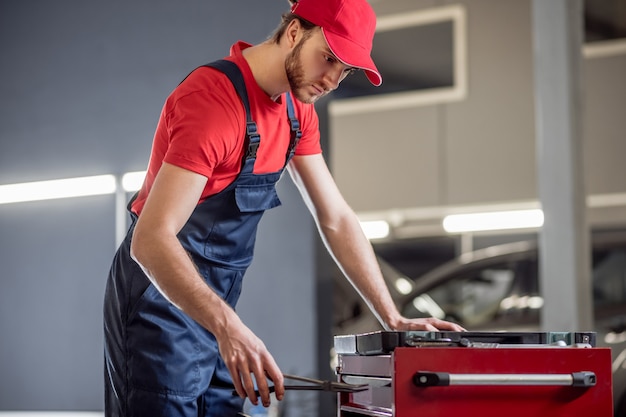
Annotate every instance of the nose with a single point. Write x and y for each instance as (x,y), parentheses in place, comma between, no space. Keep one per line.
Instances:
(333,77)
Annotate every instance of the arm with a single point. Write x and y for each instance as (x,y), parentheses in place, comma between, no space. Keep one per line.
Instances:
(156,248)
(342,234)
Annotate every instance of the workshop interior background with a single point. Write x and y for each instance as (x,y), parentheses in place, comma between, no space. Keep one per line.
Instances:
(81,87)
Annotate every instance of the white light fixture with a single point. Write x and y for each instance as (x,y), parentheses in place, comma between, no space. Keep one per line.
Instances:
(427,305)
(51,414)
(376,229)
(497,220)
(53,189)
(132,181)
(403,285)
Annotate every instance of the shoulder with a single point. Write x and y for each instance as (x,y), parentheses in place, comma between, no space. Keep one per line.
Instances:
(204,118)
(207,100)
(206,85)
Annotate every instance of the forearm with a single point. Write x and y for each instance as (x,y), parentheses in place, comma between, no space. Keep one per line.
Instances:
(341,231)
(342,234)
(355,256)
(171,270)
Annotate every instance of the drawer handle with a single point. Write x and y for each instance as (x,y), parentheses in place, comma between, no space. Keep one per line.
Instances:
(441,379)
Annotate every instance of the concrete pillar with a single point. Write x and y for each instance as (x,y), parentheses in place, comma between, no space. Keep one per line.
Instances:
(564,242)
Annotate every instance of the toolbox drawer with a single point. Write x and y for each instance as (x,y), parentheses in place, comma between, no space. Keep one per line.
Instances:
(482,382)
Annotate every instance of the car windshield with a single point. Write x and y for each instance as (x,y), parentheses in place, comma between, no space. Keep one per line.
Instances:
(505,295)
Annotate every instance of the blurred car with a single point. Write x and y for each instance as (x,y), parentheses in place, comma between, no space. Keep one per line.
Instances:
(497,289)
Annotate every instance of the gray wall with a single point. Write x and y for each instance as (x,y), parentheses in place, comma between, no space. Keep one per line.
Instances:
(81,87)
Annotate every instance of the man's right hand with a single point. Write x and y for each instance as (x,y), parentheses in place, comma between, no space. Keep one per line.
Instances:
(245,355)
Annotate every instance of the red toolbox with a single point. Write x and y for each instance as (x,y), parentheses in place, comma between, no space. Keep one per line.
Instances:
(562,374)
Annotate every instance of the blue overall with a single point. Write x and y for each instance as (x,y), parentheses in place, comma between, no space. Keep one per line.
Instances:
(158,361)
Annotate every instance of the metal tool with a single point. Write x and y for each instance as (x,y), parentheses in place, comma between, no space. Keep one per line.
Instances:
(317,385)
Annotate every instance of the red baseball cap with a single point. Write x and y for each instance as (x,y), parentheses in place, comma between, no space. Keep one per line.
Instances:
(348,27)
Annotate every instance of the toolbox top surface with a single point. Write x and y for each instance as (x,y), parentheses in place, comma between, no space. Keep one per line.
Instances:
(384,342)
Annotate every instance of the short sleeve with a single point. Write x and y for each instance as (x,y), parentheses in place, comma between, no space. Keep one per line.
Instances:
(203,129)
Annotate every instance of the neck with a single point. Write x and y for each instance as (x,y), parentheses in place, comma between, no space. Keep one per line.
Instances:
(267,63)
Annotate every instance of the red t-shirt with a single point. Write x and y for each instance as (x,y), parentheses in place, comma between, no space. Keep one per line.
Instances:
(202,129)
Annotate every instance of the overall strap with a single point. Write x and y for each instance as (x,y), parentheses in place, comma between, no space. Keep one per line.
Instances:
(232,71)
(296,133)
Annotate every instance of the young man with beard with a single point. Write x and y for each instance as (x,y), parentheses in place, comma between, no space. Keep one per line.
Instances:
(173,342)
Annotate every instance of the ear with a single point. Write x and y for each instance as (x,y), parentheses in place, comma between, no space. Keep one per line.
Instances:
(293,33)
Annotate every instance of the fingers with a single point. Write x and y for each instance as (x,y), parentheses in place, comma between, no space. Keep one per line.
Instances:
(236,376)
(255,364)
(445,325)
(248,386)
(432,324)
(276,376)
(425,325)
(262,385)
(244,383)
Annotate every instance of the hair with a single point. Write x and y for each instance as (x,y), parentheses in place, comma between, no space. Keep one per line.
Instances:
(287,18)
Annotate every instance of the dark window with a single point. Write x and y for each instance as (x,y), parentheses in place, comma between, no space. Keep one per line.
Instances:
(428,61)
(605,20)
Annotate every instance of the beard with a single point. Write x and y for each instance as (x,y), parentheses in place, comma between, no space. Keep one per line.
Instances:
(295,75)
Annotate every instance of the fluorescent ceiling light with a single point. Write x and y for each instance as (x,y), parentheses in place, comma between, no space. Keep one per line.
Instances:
(132,181)
(51,414)
(427,305)
(497,220)
(64,188)
(376,229)
(404,286)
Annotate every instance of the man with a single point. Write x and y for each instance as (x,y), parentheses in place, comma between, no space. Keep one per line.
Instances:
(174,345)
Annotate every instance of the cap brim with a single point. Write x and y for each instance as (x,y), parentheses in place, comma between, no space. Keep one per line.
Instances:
(353,55)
